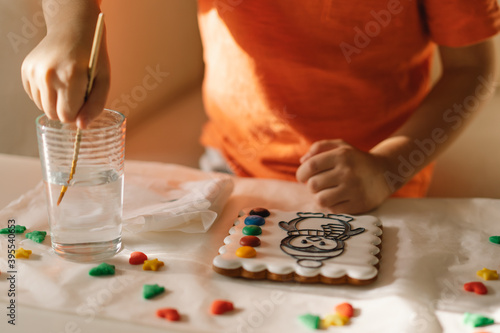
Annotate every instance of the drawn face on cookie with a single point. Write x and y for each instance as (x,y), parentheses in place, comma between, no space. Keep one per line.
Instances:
(313,244)
(314,237)
(310,251)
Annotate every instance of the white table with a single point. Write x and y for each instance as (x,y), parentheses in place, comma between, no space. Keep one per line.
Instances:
(17,175)
(430,248)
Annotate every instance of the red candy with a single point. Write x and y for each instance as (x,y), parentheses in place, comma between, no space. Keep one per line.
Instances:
(137,258)
(169,314)
(221,306)
(252,241)
(477,287)
(345,309)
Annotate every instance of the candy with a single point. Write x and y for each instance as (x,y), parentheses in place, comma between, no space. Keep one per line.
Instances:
(260,211)
(137,258)
(246,252)
(345,309)
(336,319)
(476,320)
(18,229)
(102,269)
(152,265)
(254,220)
(22,253)
(250,241)
(495,239)
(487,274)
(477,287)
(310,321)
(252,230)
(151,290)
(36,236)
(169,314)
(220,306)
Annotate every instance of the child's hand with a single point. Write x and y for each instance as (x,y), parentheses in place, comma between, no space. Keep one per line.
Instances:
(55,76)
(343,178)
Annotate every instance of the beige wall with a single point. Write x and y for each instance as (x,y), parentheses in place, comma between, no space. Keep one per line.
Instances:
(21,28)
(471,166)
(145,37)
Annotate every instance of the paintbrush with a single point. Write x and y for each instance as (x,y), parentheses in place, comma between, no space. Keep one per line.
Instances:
(94,54)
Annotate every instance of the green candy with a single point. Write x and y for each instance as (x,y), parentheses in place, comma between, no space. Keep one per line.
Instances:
(475,320)
(152,290)
(495,239)
(36,236)
(310,321)
(102,269)
(252,230)
(18,229)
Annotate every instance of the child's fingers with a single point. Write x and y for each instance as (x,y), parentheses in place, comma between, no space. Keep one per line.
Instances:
(70,98)
(345,207)
(68,103)
(26,83)
(341,200)
(320,147)
(48,99)
(95,102)
(333,198)
(317,164)
(329,178)
(36,97)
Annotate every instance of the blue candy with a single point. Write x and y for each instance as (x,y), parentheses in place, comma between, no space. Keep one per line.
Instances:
(254,220)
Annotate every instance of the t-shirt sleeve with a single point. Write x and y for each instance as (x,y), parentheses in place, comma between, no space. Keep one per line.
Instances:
(456,23)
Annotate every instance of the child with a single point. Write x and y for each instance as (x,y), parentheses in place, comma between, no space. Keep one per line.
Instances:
(333,94)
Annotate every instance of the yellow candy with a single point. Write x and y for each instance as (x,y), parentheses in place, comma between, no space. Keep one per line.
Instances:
(246,252)
(152,265)
(22,253)
(487,274)
(335,320)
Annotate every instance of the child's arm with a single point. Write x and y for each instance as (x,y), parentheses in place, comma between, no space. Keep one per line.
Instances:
(55,72)
(345,179)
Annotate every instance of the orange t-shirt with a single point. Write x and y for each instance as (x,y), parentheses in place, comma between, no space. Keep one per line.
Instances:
(283,74)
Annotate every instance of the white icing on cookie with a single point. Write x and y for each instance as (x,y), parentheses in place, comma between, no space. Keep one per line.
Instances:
(308,244)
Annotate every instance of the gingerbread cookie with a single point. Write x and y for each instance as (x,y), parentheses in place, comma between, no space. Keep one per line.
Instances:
(304,247)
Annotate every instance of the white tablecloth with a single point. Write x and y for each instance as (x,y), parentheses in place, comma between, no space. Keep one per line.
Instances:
(431,247)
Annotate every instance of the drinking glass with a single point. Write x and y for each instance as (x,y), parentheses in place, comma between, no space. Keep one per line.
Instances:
(86,225)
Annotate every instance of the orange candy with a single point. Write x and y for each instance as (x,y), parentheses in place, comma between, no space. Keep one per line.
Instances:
(169,314)
(220,306)
(246,252)
(345,309)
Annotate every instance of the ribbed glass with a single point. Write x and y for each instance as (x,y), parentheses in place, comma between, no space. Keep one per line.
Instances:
(102,143)
(85,210)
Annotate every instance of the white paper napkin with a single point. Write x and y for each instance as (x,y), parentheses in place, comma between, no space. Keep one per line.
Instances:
(152,200)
